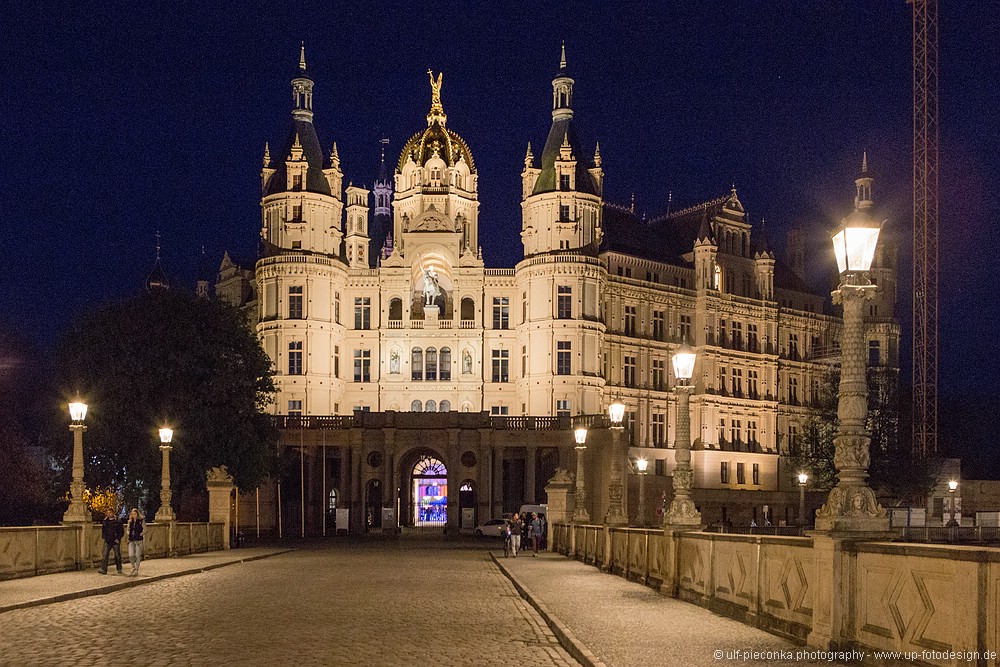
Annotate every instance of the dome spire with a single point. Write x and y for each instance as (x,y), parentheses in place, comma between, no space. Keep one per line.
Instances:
(302,57)
(302,90)
(562,90)
(436,114)
(863,200)
(562,59)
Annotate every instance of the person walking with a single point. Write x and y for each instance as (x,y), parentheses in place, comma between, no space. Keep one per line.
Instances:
(111,531)
(536,533)
(516,527)
(135,540)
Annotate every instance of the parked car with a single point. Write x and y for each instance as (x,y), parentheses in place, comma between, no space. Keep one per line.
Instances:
(492,528)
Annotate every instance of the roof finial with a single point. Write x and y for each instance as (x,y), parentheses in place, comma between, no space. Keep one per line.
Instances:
(302,57)
(334,155)
(864,163)
(267,155)
(562,59)
(597,154)
(157,246)
(529,157)
(437,110)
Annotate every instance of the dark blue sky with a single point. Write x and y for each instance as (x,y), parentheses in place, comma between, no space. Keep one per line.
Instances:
(123,120)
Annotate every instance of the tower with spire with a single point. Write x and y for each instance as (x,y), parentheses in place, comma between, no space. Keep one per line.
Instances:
(381,227)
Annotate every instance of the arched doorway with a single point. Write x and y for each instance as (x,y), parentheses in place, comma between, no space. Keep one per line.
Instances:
(429,492)
(373,505)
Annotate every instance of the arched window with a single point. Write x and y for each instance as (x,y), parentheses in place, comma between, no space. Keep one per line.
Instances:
(468,309)
(417,364)
(430,406)
(446,406)
(431,360)
(332,501)
(396,309)
(428,466)
(445,365)
(415,406)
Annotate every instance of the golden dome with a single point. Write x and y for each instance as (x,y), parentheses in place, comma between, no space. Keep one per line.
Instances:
(437,140)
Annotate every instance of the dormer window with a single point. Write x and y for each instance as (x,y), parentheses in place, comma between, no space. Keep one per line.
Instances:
(297,182)
(564,182)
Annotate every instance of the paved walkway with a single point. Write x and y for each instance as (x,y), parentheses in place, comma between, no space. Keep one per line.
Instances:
(607,620)
(48,588)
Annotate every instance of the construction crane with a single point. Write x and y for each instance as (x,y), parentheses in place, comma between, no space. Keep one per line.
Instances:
(925,226)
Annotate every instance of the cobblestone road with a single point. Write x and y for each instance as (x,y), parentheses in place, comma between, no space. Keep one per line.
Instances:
(330,605)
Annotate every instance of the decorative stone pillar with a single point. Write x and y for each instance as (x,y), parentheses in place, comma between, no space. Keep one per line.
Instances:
(580,513)
(852,505)
(616,515)
(220,486)
(77,511)
(682,510)
(166,513)
(560,492)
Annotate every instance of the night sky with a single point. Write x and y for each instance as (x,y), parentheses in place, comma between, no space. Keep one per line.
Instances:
(121,121)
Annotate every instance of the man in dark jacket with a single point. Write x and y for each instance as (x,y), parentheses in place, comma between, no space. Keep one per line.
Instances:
(111,531)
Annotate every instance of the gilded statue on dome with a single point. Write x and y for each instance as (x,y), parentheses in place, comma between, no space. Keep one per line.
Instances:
(435,87)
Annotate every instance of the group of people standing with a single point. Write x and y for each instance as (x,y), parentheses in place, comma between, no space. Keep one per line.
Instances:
(531,527)
(112,532)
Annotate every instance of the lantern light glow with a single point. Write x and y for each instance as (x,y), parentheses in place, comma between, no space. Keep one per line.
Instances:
(854,245)
(78,411)
(684,362)
(166,435)
(581,437)
(616,411)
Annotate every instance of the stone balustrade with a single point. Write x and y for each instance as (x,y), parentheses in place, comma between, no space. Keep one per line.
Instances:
(934,604)
(30,551)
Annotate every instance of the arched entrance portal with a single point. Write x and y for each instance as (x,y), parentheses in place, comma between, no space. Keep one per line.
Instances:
(429,492)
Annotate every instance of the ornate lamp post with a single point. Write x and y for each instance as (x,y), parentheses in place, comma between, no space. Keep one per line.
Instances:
(852,505)
(166,512)
(682,511)
(77,510)
(641,464)
(803,480)
(580,514)
(616,515)
(952,486)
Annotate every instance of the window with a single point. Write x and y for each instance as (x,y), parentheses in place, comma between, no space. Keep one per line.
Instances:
(874,353)
(630,319)
(295,302)
(563,212)
(722,379)
(295,357)
(468,309)
(564,302)
(737,382)
(734,430)
(722,334)
(362,312)
(444,368)
(724,472)
(753,343)
(686,328)
(416,364)
(741,477)
(395,310)
(793,390)
(336,307)
(793,438)
(737,335)
(297,213)
(362,365)
(430,366)
(629,378)
(722,433)
(430,406)
(793,346)
(563,352)
(562,408)
(629,423)
(524,361)
(501,361)
(752,433)
(659,429)
(659,374)
(660,467)
(297,182)
(659,330)
(416,406)
(752,384)
(336,361)
(294,408)
(814,391)
(501,312)
(564,181)
(499,410)
(445,406)
(756,473)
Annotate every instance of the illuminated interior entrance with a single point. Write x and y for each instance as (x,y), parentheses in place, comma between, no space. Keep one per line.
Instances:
(430,492)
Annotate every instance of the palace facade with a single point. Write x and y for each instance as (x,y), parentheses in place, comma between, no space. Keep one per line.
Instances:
(377,311)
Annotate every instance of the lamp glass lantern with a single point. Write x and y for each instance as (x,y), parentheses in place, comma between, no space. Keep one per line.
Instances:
(641,464)
(952,486)
(616,412)
(580,435)
(803,479)
(683,362)
(854,243)
(166,435)
(77,411)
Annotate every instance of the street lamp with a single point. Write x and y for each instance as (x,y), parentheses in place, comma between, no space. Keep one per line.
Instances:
(77,510)
(952,486)
(580,513)
(851,505)
(640,465)
(803,480)
(166,512)
(616,515)
(682,511)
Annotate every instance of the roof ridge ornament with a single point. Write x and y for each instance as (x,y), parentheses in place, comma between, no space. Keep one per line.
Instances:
(562,59)
(302,57)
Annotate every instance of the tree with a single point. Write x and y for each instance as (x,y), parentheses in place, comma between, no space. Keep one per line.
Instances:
(170,359)
(893,471)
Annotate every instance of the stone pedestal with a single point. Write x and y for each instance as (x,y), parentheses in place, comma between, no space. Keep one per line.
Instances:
(220,487)
(560,494)
(432,315)
(671,558)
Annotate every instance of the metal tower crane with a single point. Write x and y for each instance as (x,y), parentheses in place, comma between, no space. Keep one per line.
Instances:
(925,226)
